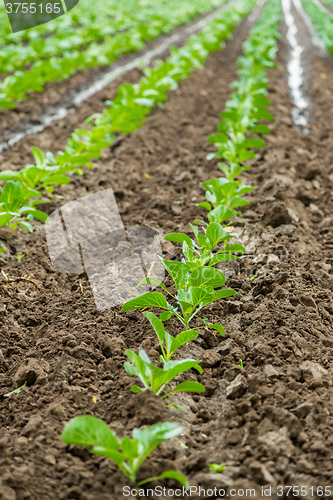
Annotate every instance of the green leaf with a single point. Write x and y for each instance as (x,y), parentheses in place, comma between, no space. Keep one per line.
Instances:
(135,389)
(2,250)
(264,114)
(38,156)
(149,299)
(238,201)
(206,276)
(174,368)
(9,175)
(221,294)
(4,218)
(218,138)
(15,391)
(38,214)
(87,430)
(138,368)
(184,299)
(163,431)
(187,336)
(57,180)
(172,344)
(201,295)
(156,324)
(26,225)
(129,447)
(260,129)
(220,214)
(131,370)
(188,387)
(246,155)
(205,205)
(255,143)
(114,455)
(211,156)
(164,316)
(234,248)
(179,238)
(216,326)
(169,474)
(222,257)
(177,271)
(215,233)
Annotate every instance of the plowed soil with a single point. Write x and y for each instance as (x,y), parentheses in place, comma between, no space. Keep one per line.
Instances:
(271,421)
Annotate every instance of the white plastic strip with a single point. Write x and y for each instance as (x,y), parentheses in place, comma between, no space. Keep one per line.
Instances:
(300,112)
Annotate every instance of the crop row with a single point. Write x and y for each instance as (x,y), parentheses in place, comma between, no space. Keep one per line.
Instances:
(25,189)
(145,23)
(195,279)
(120,15)
(322,22)
(53,59)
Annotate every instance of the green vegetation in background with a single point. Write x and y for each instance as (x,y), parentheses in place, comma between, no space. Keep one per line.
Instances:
(89,44)
(126,113)
(322,22)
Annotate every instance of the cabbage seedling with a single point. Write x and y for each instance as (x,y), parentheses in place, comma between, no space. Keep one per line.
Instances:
(201,251)
(169,344)
(15,391)
(217,468)
(128,454)
(155,379)
(221,192)
(17,206)
(194,278)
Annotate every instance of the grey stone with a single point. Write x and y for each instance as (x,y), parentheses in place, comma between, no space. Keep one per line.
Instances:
(237,387)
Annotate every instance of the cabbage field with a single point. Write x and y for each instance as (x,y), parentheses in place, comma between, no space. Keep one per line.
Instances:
(166,250)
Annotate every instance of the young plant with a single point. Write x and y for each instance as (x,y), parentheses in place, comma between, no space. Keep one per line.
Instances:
(128,454)
(202,250)
(169,344)
(221,192)
(15,391)
(217,468)
(17,206)
(155,379)
(194,278)
(43,175)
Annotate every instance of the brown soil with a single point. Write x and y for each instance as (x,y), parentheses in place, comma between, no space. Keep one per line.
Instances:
(271,421)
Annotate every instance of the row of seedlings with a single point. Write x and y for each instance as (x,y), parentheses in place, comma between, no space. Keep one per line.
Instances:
(57,58)
(321,20)
(195,281)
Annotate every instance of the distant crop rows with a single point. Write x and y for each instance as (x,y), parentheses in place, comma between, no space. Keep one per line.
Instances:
(89,36)
(32,185)
(322,22)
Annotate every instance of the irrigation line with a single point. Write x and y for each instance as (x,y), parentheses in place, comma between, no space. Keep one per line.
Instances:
(300,112)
